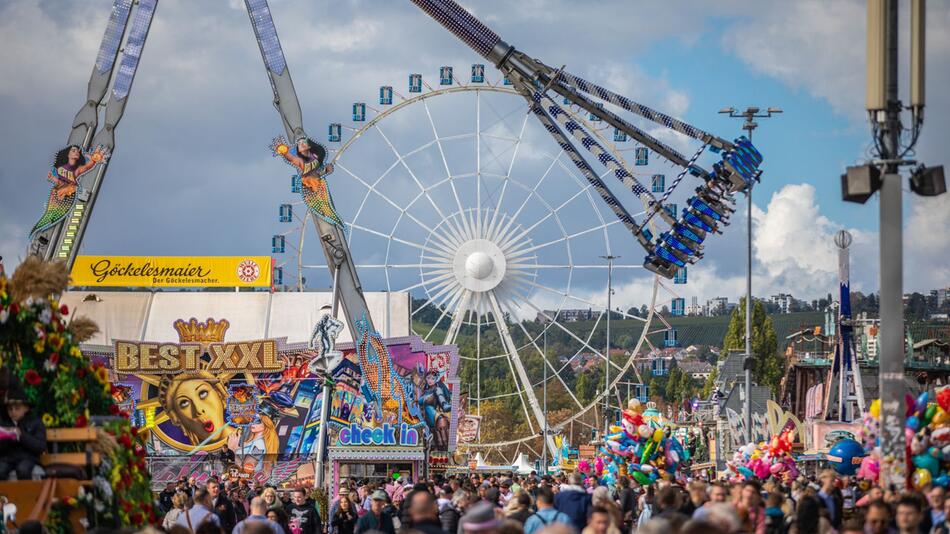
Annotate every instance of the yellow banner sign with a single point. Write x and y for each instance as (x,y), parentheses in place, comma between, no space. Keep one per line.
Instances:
(133,357)
(172,271)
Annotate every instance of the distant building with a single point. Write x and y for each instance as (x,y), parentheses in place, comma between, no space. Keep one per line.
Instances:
(567,316)
(717,306)
(783,301)
(696,369)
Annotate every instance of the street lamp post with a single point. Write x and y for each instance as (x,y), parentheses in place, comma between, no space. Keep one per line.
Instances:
(544,393)
(610,268)
(749,115)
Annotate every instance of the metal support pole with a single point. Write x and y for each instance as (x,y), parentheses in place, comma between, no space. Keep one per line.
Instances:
(610,267)
(544,393)
(750,114)
(747,412)
(320,464)
(893,470)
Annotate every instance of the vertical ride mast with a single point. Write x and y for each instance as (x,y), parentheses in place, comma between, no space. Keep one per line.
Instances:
(347,285)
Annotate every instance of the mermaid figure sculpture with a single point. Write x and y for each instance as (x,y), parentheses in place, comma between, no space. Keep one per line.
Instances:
(308,157)
(68,165)
(382,384)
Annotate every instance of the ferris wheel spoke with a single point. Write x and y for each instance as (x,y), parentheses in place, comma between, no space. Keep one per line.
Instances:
(571,334)
(532,193)
(401,159)
(399,240)
(448,173)
(521,252)
(551,213)
(493,224)
(425,281)
(451,304)
(544,358)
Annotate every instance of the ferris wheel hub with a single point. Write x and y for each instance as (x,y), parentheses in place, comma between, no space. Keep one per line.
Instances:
(479,265)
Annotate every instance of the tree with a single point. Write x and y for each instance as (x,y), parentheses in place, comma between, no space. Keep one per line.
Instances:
(710,383)
(768,365)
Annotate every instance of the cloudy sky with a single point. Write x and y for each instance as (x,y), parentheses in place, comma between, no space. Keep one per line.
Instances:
(191,173)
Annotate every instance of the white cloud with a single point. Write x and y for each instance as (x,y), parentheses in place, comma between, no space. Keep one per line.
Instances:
(926,244)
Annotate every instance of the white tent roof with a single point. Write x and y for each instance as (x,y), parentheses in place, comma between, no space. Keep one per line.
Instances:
(146,316)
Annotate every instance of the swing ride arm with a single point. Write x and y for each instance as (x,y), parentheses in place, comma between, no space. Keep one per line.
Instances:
(706,211)
(347,285)
(61,241)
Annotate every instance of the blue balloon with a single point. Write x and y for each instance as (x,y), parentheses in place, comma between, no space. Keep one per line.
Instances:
(942,480)
(913,423)
(921,403)
(928,462)
(845,456)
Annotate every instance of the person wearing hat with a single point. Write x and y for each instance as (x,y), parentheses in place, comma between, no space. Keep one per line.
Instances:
(377,518)
(22,436)
(480,519)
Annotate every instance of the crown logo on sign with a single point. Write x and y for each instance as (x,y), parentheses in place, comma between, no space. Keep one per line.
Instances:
(210,331)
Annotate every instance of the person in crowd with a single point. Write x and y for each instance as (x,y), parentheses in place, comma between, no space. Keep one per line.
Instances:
(303,513)
(377,518)
(180,502)
(808,517)
(601,522)
(279,516)
(574,501)
(165,497)
(258,515)
(270,498)
(345,517)
(908,514)
(774,514)
(222,506)
(424,513)
(480,519)
(944,526)
(22,436)
(505,495)
(627,499)
(933,515)
(199,513)
(519,508)
(547,514)
(750,507)
(831,497)
(240,510)
(452,513)
(698,495)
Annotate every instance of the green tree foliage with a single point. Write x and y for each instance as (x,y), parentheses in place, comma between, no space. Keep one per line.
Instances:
(710,383)
(769,366)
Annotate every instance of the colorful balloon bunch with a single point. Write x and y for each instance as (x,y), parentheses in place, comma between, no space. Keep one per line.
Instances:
(643,451)
(764,460)
(927,433)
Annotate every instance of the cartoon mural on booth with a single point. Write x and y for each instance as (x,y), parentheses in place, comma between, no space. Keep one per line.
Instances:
(254,407)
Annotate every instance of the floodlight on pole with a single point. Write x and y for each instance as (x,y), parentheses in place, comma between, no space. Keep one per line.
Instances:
(749,125)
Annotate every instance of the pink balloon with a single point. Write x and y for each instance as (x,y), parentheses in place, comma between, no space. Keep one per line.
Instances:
(777,468)
(870,469)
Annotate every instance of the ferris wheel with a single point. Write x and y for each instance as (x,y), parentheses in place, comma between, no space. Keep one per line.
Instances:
(456,195)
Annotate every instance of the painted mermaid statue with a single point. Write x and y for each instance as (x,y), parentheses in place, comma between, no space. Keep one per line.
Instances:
(308,157)
(68,165)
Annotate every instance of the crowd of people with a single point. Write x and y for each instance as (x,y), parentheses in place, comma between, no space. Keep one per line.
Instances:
(559,504)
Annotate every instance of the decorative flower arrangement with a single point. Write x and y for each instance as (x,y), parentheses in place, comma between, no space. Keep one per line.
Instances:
(39,345)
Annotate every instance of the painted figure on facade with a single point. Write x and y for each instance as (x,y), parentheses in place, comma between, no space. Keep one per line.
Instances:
(436,401)
(383,386)
(68,165)
(308,157)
